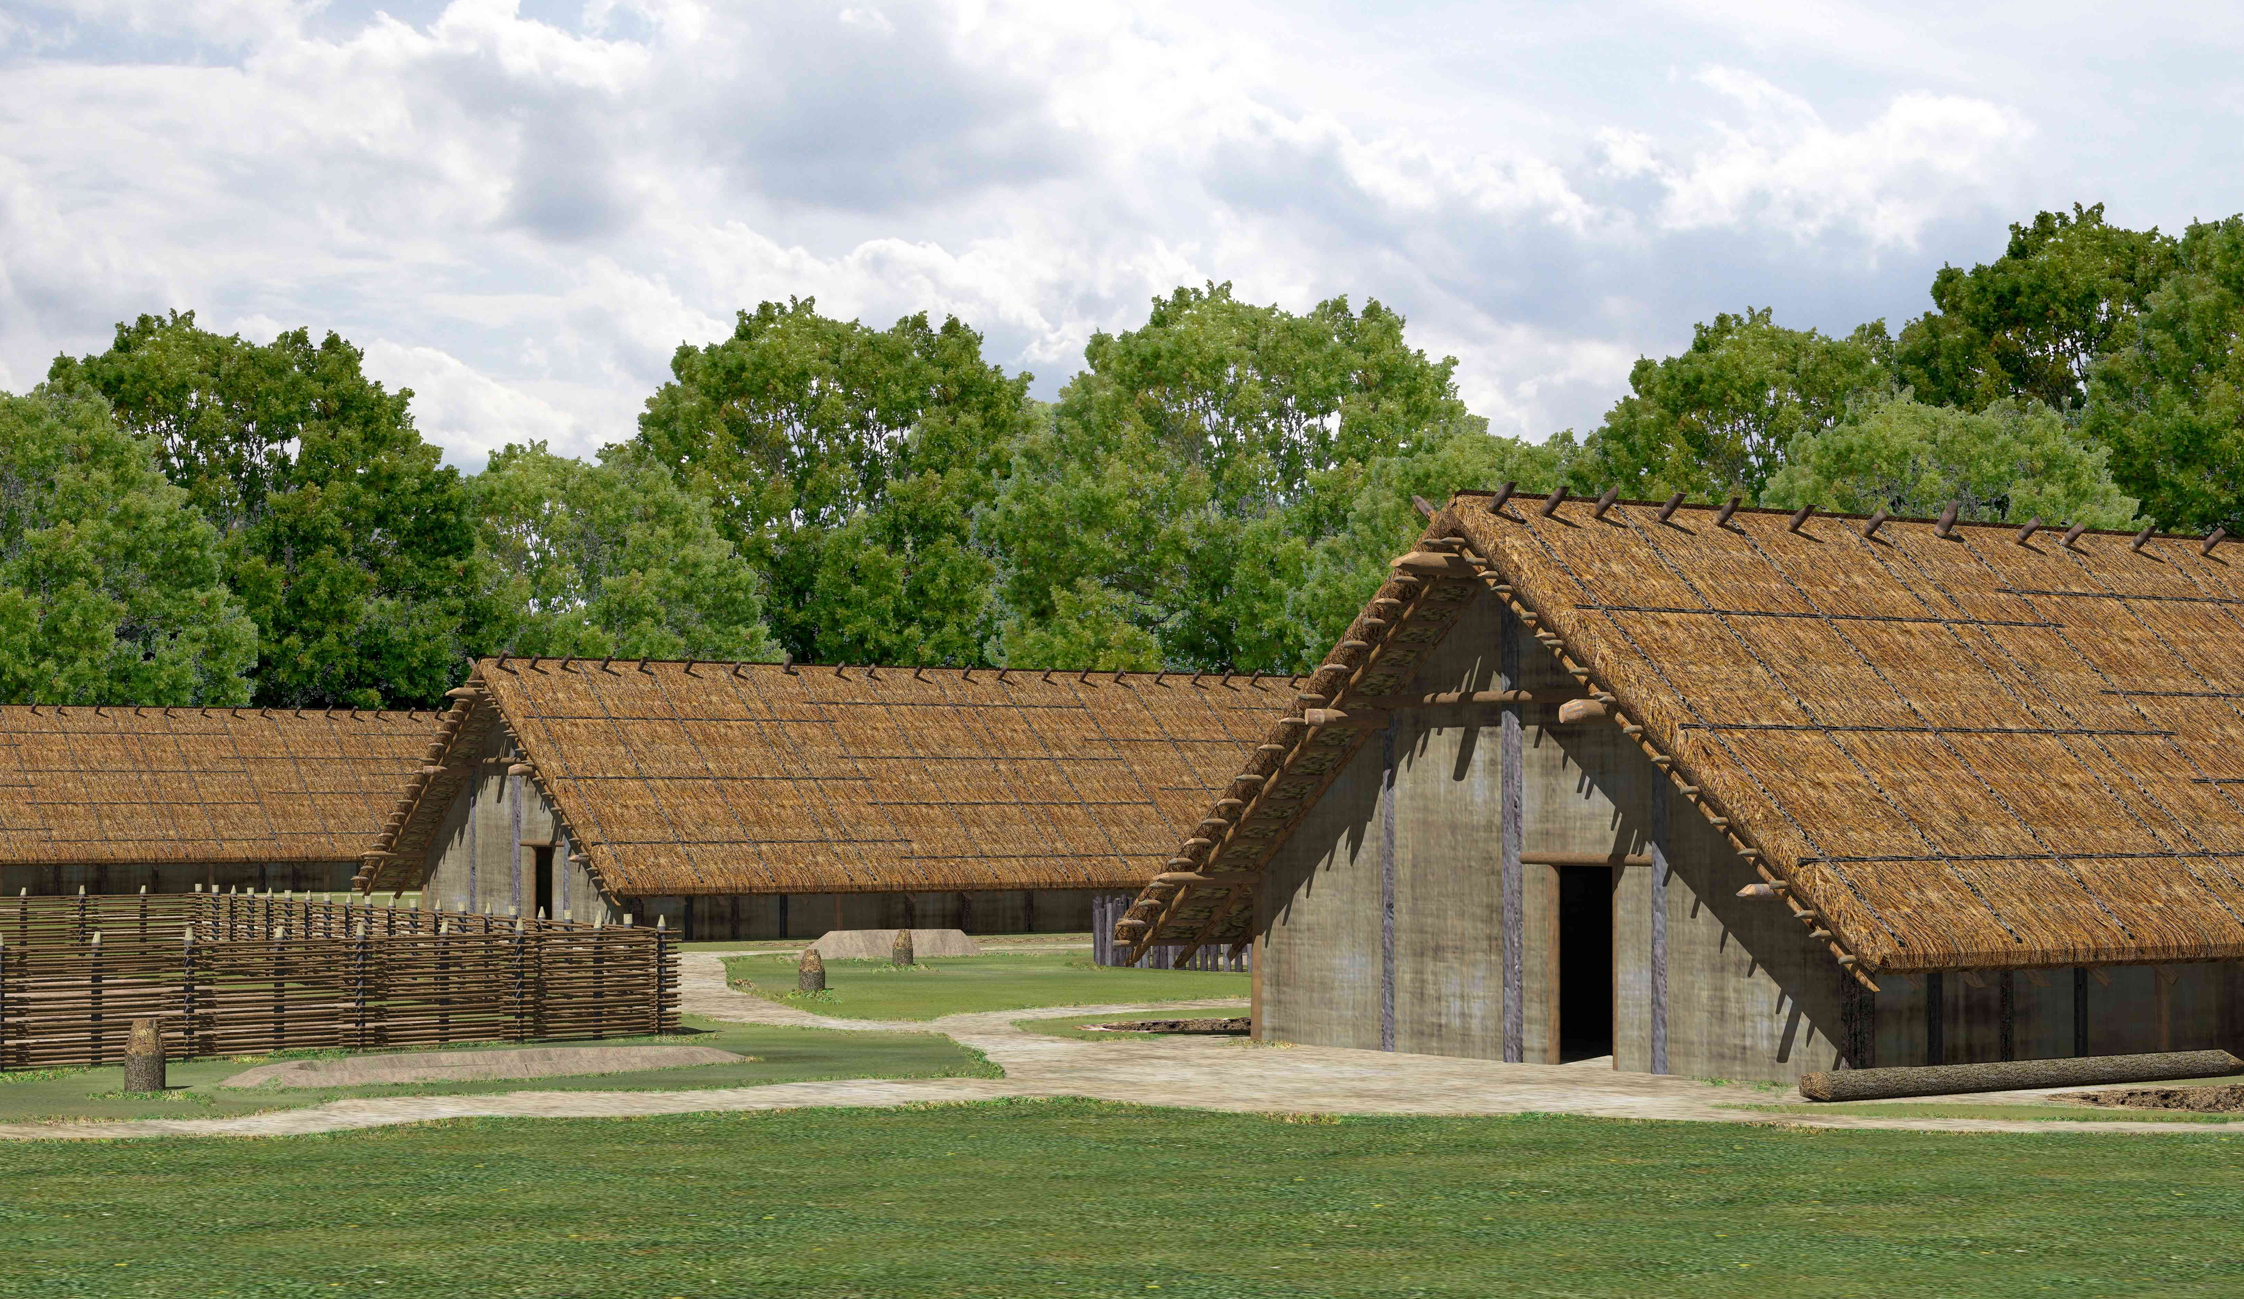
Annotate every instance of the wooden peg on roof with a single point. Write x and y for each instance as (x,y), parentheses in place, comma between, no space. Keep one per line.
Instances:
(1503,494)
(2072,534)
(2026,533)
(1729,507)
(2212,539)
(1554,500)
(1424,507)
(1946,528)
(2142,538)
(1800,517)
(1877,521)
(1605,502)
(1668,510)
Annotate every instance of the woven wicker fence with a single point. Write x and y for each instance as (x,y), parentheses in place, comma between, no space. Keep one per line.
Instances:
(227,974)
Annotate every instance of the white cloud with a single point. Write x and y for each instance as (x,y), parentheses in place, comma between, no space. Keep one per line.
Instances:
(521,218)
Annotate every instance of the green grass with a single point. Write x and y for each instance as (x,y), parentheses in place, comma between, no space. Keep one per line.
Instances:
(780,1055)
(1080,1198)
(957,985)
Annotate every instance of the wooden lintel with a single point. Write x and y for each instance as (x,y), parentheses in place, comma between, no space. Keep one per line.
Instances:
(1583,859)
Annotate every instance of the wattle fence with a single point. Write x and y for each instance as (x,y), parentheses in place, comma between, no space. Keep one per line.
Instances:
(240,974)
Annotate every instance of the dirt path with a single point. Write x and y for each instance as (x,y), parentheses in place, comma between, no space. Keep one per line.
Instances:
(1195,1073)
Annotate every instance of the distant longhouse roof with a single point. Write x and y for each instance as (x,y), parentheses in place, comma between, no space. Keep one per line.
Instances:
(718,778)
(1958,747)
(147,785)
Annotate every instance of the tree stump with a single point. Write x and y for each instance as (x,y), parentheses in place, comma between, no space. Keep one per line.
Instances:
(901,953)
(144,1058)
(810,974)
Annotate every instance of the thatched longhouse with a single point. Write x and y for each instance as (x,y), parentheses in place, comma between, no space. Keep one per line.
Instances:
(1746,794)
(761,801)
(112,800)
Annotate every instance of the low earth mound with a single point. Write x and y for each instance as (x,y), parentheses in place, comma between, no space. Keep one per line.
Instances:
(1238,1026)
(2196,1100)
(477,1066)
(877,944)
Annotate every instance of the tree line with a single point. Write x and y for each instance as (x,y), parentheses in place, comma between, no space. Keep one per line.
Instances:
(190,518)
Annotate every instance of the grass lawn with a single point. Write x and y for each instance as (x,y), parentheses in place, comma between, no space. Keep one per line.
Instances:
(780,1055)
(1079,1198)
(955,985)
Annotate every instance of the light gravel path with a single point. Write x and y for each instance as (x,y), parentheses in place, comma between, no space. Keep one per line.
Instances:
(1193,1073)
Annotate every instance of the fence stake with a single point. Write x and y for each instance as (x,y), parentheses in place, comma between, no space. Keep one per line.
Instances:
(190,1038)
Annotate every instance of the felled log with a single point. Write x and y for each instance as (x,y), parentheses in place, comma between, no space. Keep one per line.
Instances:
(144,1058)
(2014,1075)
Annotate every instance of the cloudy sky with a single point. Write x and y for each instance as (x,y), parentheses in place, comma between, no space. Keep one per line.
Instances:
(520,209)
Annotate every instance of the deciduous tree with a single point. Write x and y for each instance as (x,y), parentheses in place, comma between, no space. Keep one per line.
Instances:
(614,558)
(351,546)
(846,464)
(110,584)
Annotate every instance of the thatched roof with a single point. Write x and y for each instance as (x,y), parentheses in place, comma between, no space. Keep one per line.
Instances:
(145,785)
(720,778)
(1981,749)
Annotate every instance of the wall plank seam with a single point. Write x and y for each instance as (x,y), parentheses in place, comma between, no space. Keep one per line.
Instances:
(1387,888)
(1659,924)
(1511,752)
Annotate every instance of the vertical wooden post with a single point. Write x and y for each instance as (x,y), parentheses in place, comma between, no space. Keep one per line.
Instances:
(93,996)
(1511,753)
(2080,1010)
(1936,1035)
(189,1037)
(1387,887)
(1659,921)
(3,1003)
(2007,981)
(521,1010)
(664,988)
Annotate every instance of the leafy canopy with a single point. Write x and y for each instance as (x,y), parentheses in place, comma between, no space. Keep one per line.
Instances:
(2031,323)
(2008,463)
(1201,468)
(1715,419)
(614,558)
(110,589)
(846,464)
(2168,397)
(352,548)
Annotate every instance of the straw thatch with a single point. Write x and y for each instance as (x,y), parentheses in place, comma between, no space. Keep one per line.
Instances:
(148,785)
(717,778)
(1952,748)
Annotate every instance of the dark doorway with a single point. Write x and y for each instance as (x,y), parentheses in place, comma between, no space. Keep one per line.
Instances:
(545,884)
(1585,962)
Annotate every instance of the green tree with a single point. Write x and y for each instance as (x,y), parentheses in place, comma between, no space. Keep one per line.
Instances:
(2031,323)
(1202,467)
(351,546)
(110,588)
(614,558)
(2008,463)
(1715,419)
(2168,395)
(846,463)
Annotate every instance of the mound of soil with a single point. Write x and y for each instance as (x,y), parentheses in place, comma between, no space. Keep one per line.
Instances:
(1238,1027)
(877,944)
(2196,1100)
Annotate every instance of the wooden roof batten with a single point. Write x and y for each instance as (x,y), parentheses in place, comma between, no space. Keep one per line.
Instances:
(1856,913)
